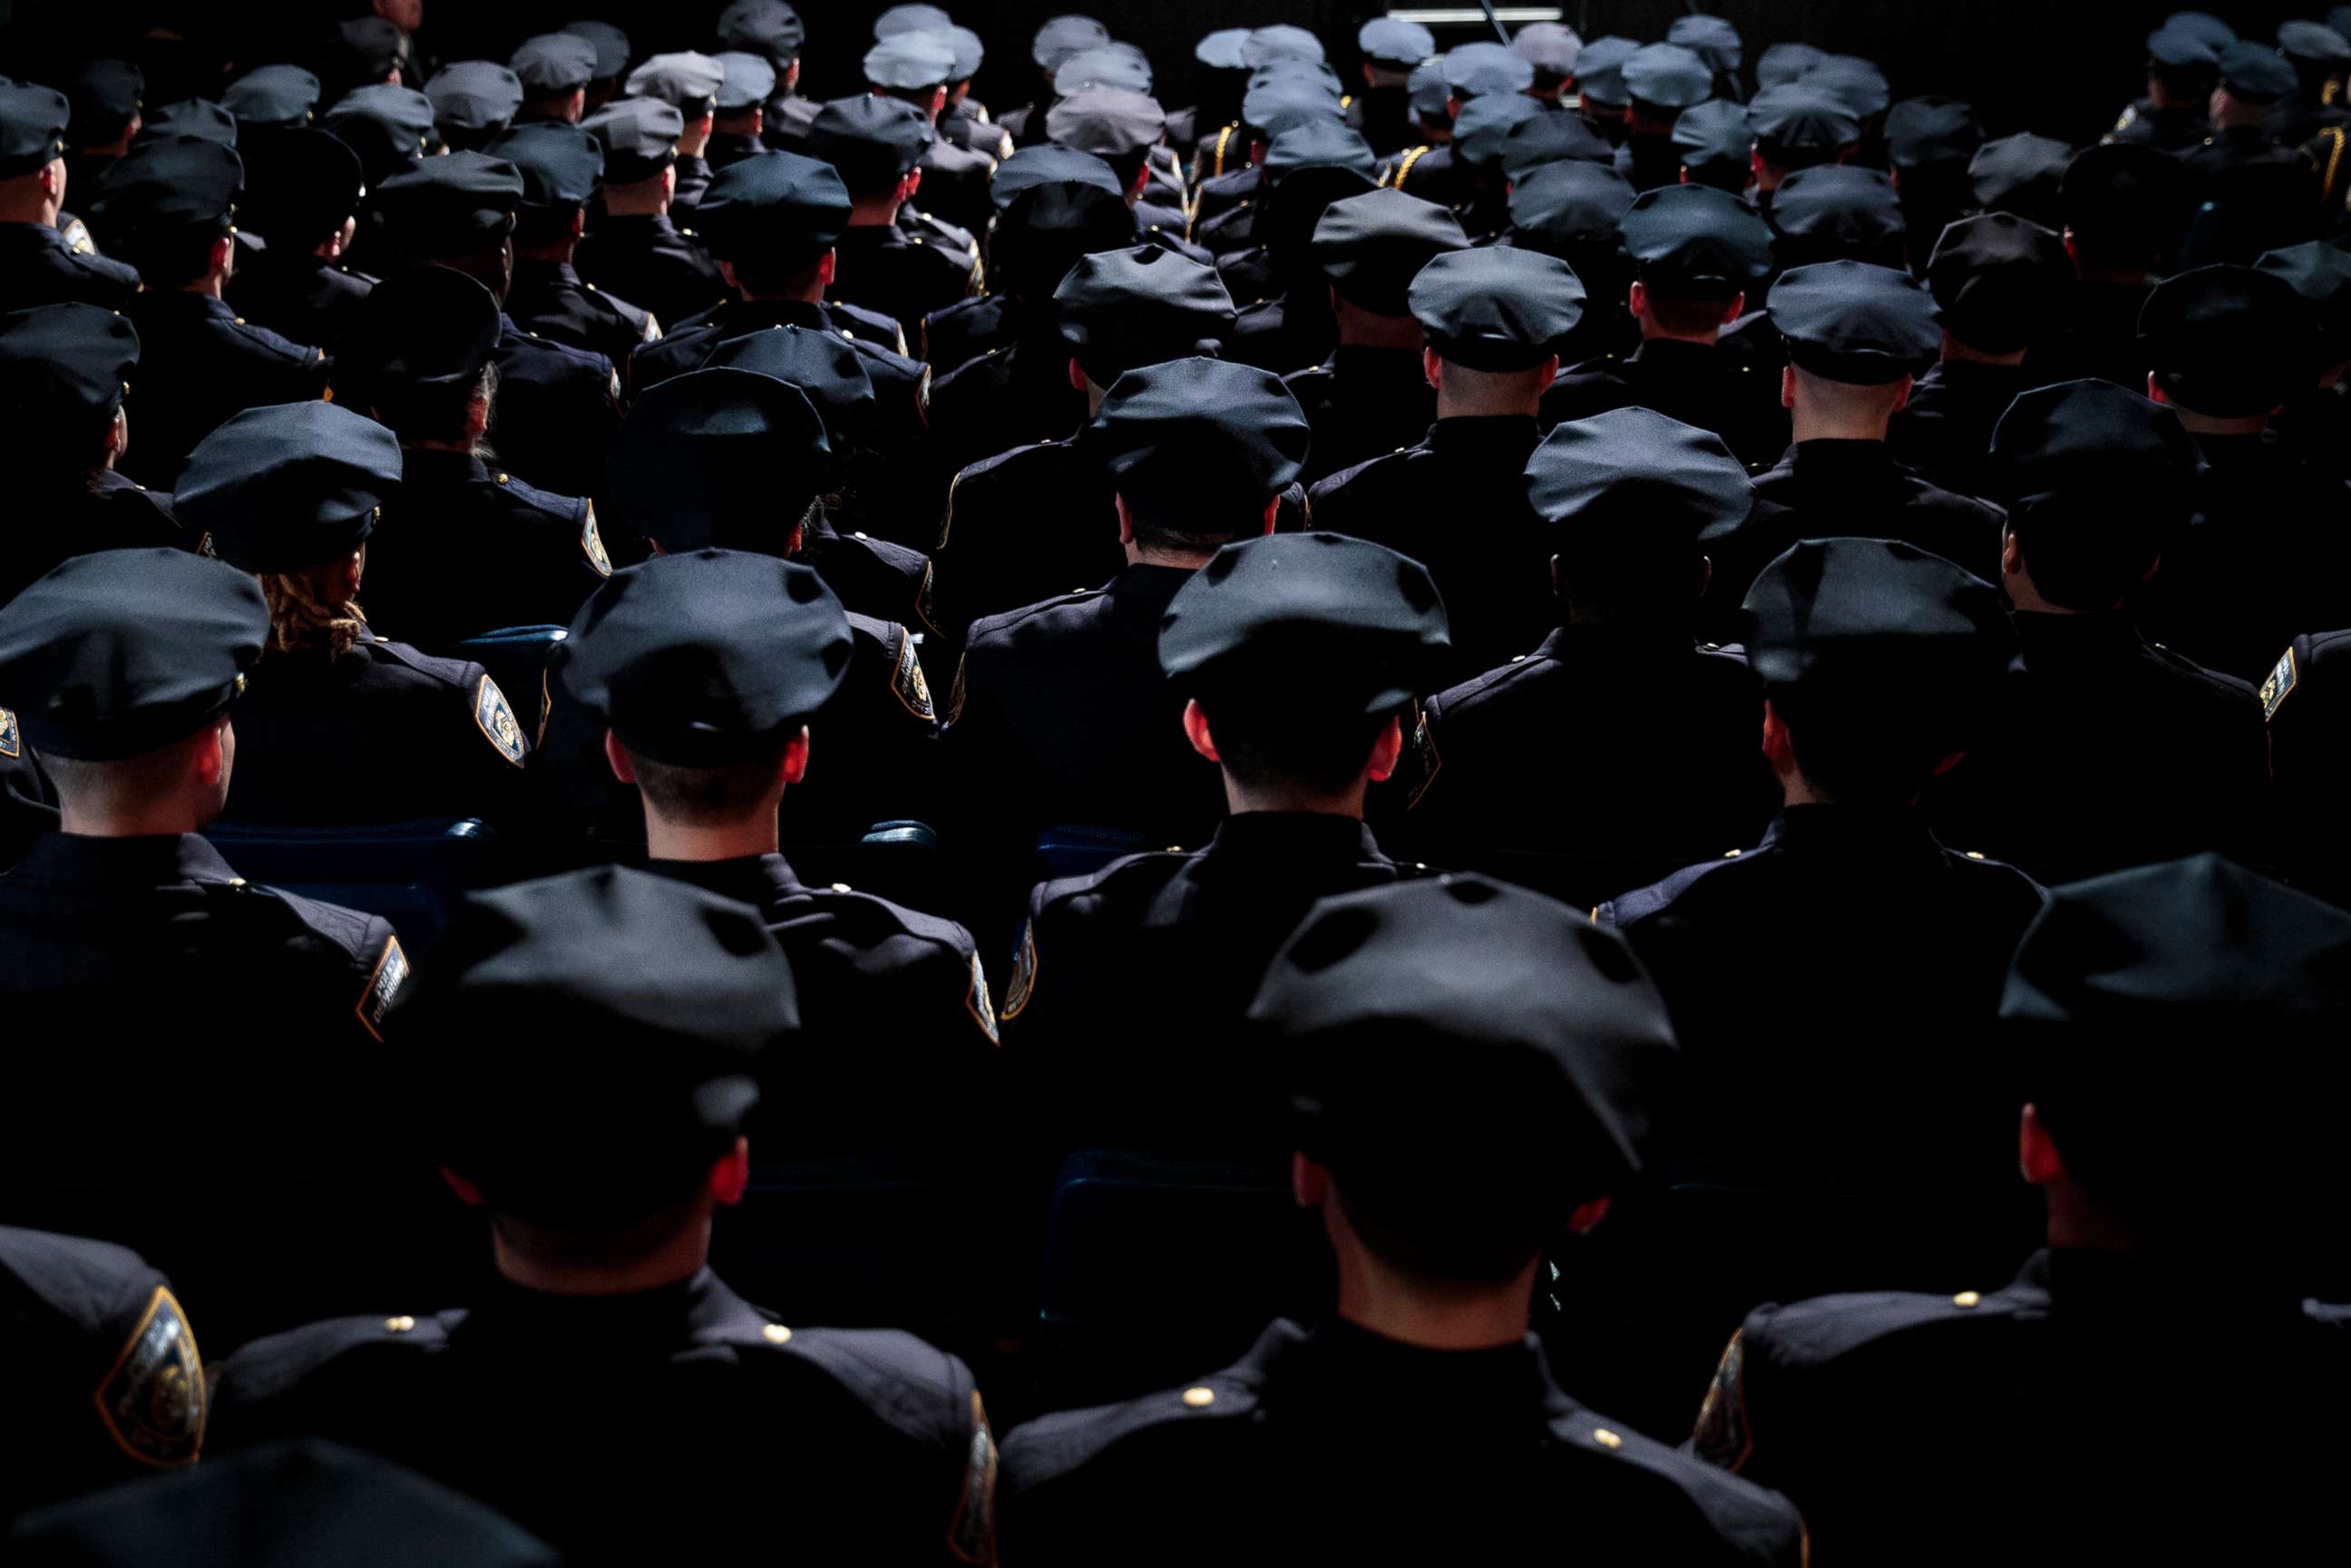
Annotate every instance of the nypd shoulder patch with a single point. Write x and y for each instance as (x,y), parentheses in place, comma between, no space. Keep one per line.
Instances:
(12,740)
(976,999)
(972,1534)
(152,1402)
(591,544)
(955,695)
(1426,762)
(495,717)
(383,985)
(1024,974)
(2280,685)
(908,681)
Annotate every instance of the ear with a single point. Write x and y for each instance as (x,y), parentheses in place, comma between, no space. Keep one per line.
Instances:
(1125,521)
(669,185)
(1556,590)
(1778,748)
(1077,377)
(225,254)
(1585,1217)
(1705,576)
(1272,511)
(53,177)
(911,183)
(616,757)
(2036,1151)
(1195,730)
(467,1192)
(1903,397)
(1755,161)
(727,275)
(1385,750)
(1637,298)
(2012,558)
(1309,1184)
(1787,386)
(1432,367)
(1549,374)
(1142,182)
(938,101)
(117,434)
(2155,388)
(211,759)
(796,757)
(578,222)
(828,268)
(2152,567)
(1735,309)
(1947,763)
(477,419)
(731,1177)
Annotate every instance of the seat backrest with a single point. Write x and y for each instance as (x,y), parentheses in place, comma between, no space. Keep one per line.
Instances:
(411,873)
(1072,849)
(518,658)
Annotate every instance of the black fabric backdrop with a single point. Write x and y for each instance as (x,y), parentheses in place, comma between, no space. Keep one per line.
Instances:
(2062,69)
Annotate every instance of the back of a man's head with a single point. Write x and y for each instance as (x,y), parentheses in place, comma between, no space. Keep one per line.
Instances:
(1627,496)
(1198,450)
(2097,480)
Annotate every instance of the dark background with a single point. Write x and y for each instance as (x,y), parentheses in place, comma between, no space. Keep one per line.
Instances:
(2063,68)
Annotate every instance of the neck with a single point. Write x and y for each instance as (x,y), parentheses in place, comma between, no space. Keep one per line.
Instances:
(1240,801)
(696,139)
(874,213)
(147,818)
(558,254)
(638,201)
(464,447)
(681,1257)
(2079,1218)
(1159,555)
(1485,408)
(1806,424)
(1654,330)
(813,295)
(1363,329)
(2239,117)
(750,124)
(2213,424)
(2027,598)
(1795,789)
(745,839)
(1953,349)
(208,285)
(1436,1316)
(1767,178)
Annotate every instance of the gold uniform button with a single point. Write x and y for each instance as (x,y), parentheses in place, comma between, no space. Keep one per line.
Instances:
(401,1325)
(776,1333)
(841,887)
(240,321)
(1606,1438)
(236,881)
(1199,1399)
(502,478)
(1733,854)
(1966,1299)
(1975,854)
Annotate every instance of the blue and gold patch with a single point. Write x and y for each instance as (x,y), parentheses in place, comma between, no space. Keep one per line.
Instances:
(2280,684)
(971,1535)
(1024,974)
(152,1402)
(11,743)
(591,544)
(75,235)
(908,683)
(383,986)
(496,719)
(975,1000)
(1723,1438)
(1426,762)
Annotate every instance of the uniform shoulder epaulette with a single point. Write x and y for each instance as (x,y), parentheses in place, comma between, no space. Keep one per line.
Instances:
(989,626)
(570,508)
(283,347)
(1642,903)
(1736,1507)
(907,1385)
(271,1365)
(1803,1333)
(1052,1446)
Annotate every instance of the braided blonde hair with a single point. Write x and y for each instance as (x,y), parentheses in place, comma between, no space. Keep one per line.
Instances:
(303,616)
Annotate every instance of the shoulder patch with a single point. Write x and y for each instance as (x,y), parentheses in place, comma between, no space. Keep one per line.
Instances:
(955,694)
(12,740)
(972,1536)
(1425,760)
(383,986)
(591,544)
(975,1000)
(947,521)
(2274,691)
(494,717)
(1024,974)
(77,237)
(152,1402)
(906,680)
(1722,1438)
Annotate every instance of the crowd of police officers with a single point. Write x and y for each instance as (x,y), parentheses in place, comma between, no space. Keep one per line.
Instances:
(1517,702)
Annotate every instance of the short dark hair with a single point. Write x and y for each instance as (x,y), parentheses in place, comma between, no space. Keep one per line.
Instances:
(1861,749)
(704,796)
(759,274)
(1678,310)
(432,414)
(544,226)
(1293,738)
(1169,522)
(172,257)
(2085,555)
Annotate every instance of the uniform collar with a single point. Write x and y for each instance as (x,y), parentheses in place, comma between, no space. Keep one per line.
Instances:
(154,860)
(33,236)
(167,302)
(1255,838)
(1858,833)
(682,1312)
(742,316)
(2091,629)
(753,879)
(1340,1366)
(1358,362)
(560,271)
(443,465)
(873,236)
(1510,432)
(1667,351)
(1143,591)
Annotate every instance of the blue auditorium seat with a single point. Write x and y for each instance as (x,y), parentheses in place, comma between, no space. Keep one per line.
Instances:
(1073,849)
(411,873)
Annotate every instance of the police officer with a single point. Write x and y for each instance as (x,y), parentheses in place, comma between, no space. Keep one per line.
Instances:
(1839,213)
(736,459)
(1878,662)
(1022,276)
(554,70)
(2125,208)
(1492,320)
(1697,255)
(2313,425)
(1022,391)
(2048,1440)
(1372,396)
(2258,194)
(1797,128)
(2023,175)
(1571,209)
(1296,656)
(633,249)
(556,406)
(2105,751)
(615,1029)
(391,128)
(1274,104)
(2228,346)
(474,102)
(1716,144)
(2302,699)
(169,208)
(1664,80)
(268,100)
(1286,322)
(1666,725)
(773,30)
(1053,43)
(304,196)
(465,547)
(1127,129)
(2182,69)
(104,98)
(65,375)
(914,67)
(1929,142)
(340,723)
(613,52)
(116,1383)
(773,224)
(2002,284)
(1382,112)
(688,82)
(1601,95)
(121,668)
(1425,169)
(1485,130)
(559,165)
(1059,713)
(1473,1069)
(710,672)
(1553,48)
(876,144)
(1033,521)
(1857,337)
(744,80)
